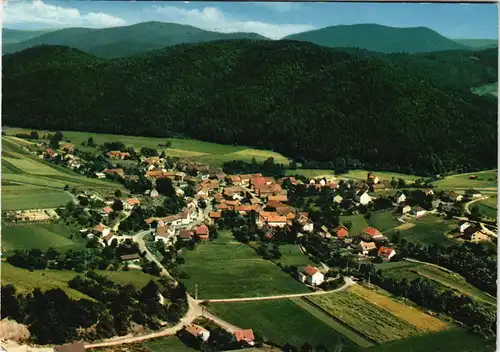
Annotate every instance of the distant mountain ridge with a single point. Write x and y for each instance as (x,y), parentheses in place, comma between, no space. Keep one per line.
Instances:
(128,40)
(148,36)
(379,38)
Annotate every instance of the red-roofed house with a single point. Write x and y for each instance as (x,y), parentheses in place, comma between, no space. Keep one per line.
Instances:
(108,210)
(197,331)
(341,231)
(271,219)
(118,172)
(164,233)
(186,235)
(274,204)
(202,232)
(373,234)
(386,253)
(245,336)
(116,154)
(311,276)
(366,247)
(131,203)
(215,215)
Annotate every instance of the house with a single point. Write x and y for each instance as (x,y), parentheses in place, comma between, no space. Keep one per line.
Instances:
(435,203)
(419,211)
(371,178)
(116,154)
(428,191)
(311,276)
(244,209)
(404,208)
(463,225)
(118,172)
(478,236)
(130,258)
(399,197)
(197,331)
(273,204)
(341,231)
(452,196)
(101,230)
(202,232)
(109,238)
(215,215)
(473,234)
(186,235)
(68,147)
(74,347)
(164,233)
(279,198)
(270,218)
(386,253)
(264,191)
(100,175)
(245,336)
(362,197)
(131,203)
(366,247)
(333,185)
(472,193)
(338,199)
(372,234)
(308,227)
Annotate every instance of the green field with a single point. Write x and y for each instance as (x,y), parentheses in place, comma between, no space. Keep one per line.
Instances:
(490,88)
(486,179)
(292,255)
(488,207)
(25,280)
(205,152)
(171,343)
(228,269)
(412,270)
(374,322)
(311,173)
(29,182)
(452,340)
(426,230)
(382,220)
(41,236)
(362,174)
(281,321)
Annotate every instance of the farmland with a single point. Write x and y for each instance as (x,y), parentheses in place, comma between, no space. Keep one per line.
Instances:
(20,197)
(444,279)
(281,321)
(312,172)
(382,220)
(426,230)
(292,255)
(204,152)
(41,236)
(228,269)
(362,174)
(25,280)
(355,311)
(487,207)
(485,179)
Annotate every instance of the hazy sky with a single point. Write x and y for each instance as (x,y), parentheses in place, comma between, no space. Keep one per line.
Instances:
(273,20)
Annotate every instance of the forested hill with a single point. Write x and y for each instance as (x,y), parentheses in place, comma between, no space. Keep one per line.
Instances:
(296,98)
(127,40)
(379,38)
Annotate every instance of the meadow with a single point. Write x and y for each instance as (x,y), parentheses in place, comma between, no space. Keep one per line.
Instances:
(488,207)
(224,268)
(291,255)
(362,175)
(485,179)
(171,343)
(25,280)
(444,279)
(41,236)
(281,321)
(426,230)
(372,321)
(25,196)
(312,173)
(204,152)
(382,220)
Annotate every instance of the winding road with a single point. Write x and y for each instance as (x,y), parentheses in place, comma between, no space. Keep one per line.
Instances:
(467,205)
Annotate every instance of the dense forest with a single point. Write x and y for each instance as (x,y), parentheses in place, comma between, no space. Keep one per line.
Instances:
(400,112)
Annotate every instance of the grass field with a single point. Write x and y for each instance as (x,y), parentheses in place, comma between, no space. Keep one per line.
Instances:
(355,311)
(452,340)
(488,207)
(171,343)
(426,230)
(362,174)
(41,236)
(281,321)
(292,255)
(311,173)
(29,182)
(205,152)
(225,268)
(382,220)
(25,280)
(411,270)
(486,179)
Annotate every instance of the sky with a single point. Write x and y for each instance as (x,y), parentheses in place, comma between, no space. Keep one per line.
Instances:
(271,19)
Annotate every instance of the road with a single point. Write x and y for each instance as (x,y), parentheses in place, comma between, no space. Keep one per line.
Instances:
(466,206)
(431,264)
(348,282)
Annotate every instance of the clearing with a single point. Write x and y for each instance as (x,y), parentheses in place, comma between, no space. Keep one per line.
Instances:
(281,321)
(224,268)
(39,236)
(370,320)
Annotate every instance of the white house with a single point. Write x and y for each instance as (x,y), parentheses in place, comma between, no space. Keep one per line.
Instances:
(311,276)
(400,197)
(198,331)
(366,247)
(308,227)
(322,182)
(164,233)
(100,175)
(464,225)
(338,199)
(362,197)
(405,209)
(418,212)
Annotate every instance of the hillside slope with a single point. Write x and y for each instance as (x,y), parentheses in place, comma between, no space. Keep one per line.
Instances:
(10,36)
(478,43)
(128,40)
(379,38)
(299,99)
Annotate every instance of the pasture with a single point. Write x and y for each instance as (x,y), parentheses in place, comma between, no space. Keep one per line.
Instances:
(291,255)
(485,179)
(224,268)
(444,279)
(487,207)
(362,175)
(312,173)
(204,152)
(382,220)
(41,236)
(29,197)
(426,230)
(281,321)
(371,320)
(25,280)
(170,343)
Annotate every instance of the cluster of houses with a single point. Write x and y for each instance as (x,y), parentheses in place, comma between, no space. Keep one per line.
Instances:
(195,331)
(471,232)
